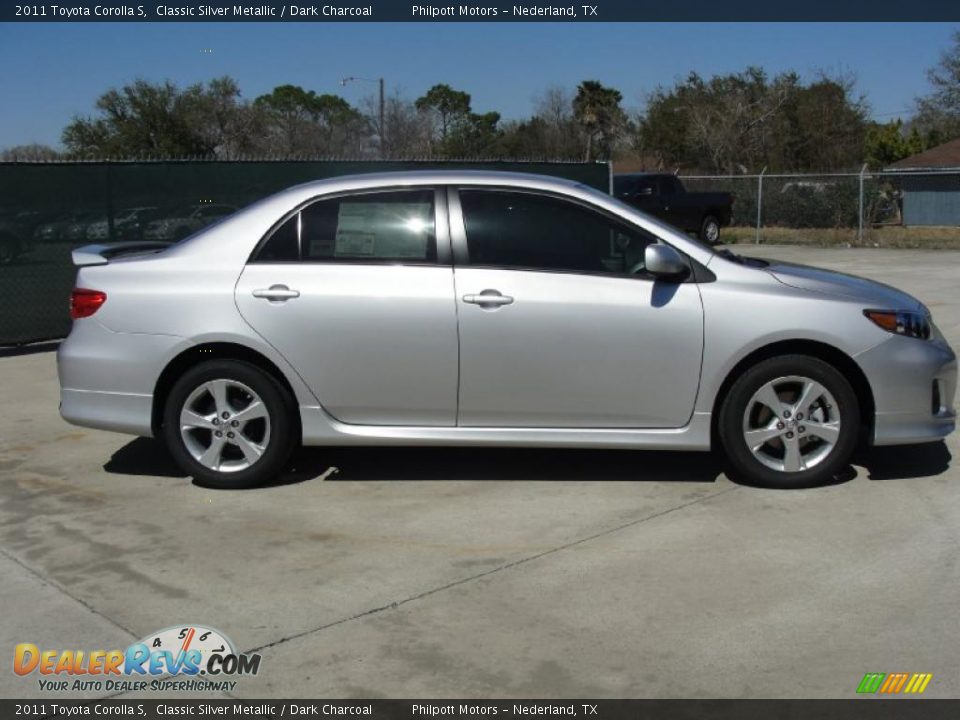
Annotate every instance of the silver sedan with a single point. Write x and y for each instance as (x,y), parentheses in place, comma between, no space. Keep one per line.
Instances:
(482,308)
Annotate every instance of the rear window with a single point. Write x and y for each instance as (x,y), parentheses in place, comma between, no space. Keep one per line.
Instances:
(630,186)
(623,186)
(396,226)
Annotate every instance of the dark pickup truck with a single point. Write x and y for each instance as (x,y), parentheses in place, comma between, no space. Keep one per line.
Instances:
(663,196)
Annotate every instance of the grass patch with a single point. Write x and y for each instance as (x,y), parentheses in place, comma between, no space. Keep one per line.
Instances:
(894,236)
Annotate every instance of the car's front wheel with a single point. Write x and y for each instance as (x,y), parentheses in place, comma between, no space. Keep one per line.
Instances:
(790,421)
(229,424)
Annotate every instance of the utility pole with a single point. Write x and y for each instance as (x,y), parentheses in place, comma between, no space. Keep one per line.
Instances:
(863,170)
(382,113)
(760,201)
(382,126)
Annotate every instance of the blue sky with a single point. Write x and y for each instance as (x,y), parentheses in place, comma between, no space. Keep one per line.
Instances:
(54,71)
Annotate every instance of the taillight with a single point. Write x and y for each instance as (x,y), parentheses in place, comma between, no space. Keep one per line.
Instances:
(84,303)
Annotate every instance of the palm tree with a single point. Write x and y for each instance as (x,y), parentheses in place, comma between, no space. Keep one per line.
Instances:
(597,109)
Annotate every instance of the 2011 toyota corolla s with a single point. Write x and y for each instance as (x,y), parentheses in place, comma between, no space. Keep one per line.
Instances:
(482,308)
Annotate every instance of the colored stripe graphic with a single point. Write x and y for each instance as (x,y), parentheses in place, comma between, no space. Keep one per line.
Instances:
(918,683)
(871,682)
(893,683)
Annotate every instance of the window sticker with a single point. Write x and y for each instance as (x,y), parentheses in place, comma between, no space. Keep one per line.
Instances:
(387,230)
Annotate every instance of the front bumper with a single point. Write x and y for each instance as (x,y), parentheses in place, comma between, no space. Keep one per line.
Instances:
(914,385)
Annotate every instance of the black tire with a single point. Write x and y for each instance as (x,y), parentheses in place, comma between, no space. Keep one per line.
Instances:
(731,423)
(710,230)
(280,412)
(9,249)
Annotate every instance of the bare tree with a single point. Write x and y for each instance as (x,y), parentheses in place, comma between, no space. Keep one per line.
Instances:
(406,132)
(562,135)
(31,152)
(739,121)
(938,113)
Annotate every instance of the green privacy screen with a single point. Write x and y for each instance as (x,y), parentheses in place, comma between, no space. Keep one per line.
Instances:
(48,209)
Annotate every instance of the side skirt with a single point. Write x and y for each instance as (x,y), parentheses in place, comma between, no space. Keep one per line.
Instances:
(321,429)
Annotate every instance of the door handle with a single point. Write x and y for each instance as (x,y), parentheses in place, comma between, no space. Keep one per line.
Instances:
(488,298)
(276,293)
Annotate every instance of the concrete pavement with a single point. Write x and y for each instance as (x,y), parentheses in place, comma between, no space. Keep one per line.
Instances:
(408,572)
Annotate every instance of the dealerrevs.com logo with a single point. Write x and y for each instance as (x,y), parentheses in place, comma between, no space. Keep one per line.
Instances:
(172,659)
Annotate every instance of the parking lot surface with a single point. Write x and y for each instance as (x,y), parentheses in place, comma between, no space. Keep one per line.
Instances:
(408,572)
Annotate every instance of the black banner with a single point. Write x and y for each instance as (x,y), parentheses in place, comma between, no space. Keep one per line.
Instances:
(487,11)
(852,709)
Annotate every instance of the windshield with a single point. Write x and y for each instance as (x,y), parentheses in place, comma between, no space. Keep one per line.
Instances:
(670,229)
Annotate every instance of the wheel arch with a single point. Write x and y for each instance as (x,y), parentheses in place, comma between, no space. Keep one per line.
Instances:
(822,351)
(721,213)
(197,354)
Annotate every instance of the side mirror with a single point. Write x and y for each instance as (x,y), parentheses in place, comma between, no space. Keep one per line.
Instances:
(662,261)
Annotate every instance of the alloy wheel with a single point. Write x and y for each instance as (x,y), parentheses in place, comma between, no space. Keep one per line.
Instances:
(225,425)
(791,424)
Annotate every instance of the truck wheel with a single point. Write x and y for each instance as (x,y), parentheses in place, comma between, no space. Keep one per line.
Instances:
(710,230)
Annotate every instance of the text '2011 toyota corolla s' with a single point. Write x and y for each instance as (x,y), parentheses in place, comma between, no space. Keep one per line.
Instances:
(483,308)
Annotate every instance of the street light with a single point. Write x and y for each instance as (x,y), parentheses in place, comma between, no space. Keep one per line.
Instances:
(353,78)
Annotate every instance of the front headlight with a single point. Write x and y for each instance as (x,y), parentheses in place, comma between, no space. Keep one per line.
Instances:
(902,322)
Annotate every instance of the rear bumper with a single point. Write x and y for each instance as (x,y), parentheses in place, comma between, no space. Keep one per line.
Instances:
(107,378)
(914,385)
(119,412)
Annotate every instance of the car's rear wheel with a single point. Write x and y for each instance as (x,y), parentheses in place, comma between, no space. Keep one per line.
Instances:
(229,424)
(710,230)
(790,421)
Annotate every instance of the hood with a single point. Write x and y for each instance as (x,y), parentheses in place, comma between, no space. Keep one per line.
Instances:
(829,282)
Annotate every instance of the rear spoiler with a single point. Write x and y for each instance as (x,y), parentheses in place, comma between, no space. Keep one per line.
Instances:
(101,254)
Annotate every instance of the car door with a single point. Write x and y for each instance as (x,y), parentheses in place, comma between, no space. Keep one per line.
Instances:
(673,208)
(641,192)
(560,325)
(356,292)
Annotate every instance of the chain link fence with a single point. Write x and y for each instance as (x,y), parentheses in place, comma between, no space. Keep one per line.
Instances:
(48,209)
(774,206)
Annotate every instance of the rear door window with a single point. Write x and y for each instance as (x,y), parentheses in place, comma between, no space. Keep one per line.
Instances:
(396,226)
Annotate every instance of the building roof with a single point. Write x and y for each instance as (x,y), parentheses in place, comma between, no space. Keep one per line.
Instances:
(941,157)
